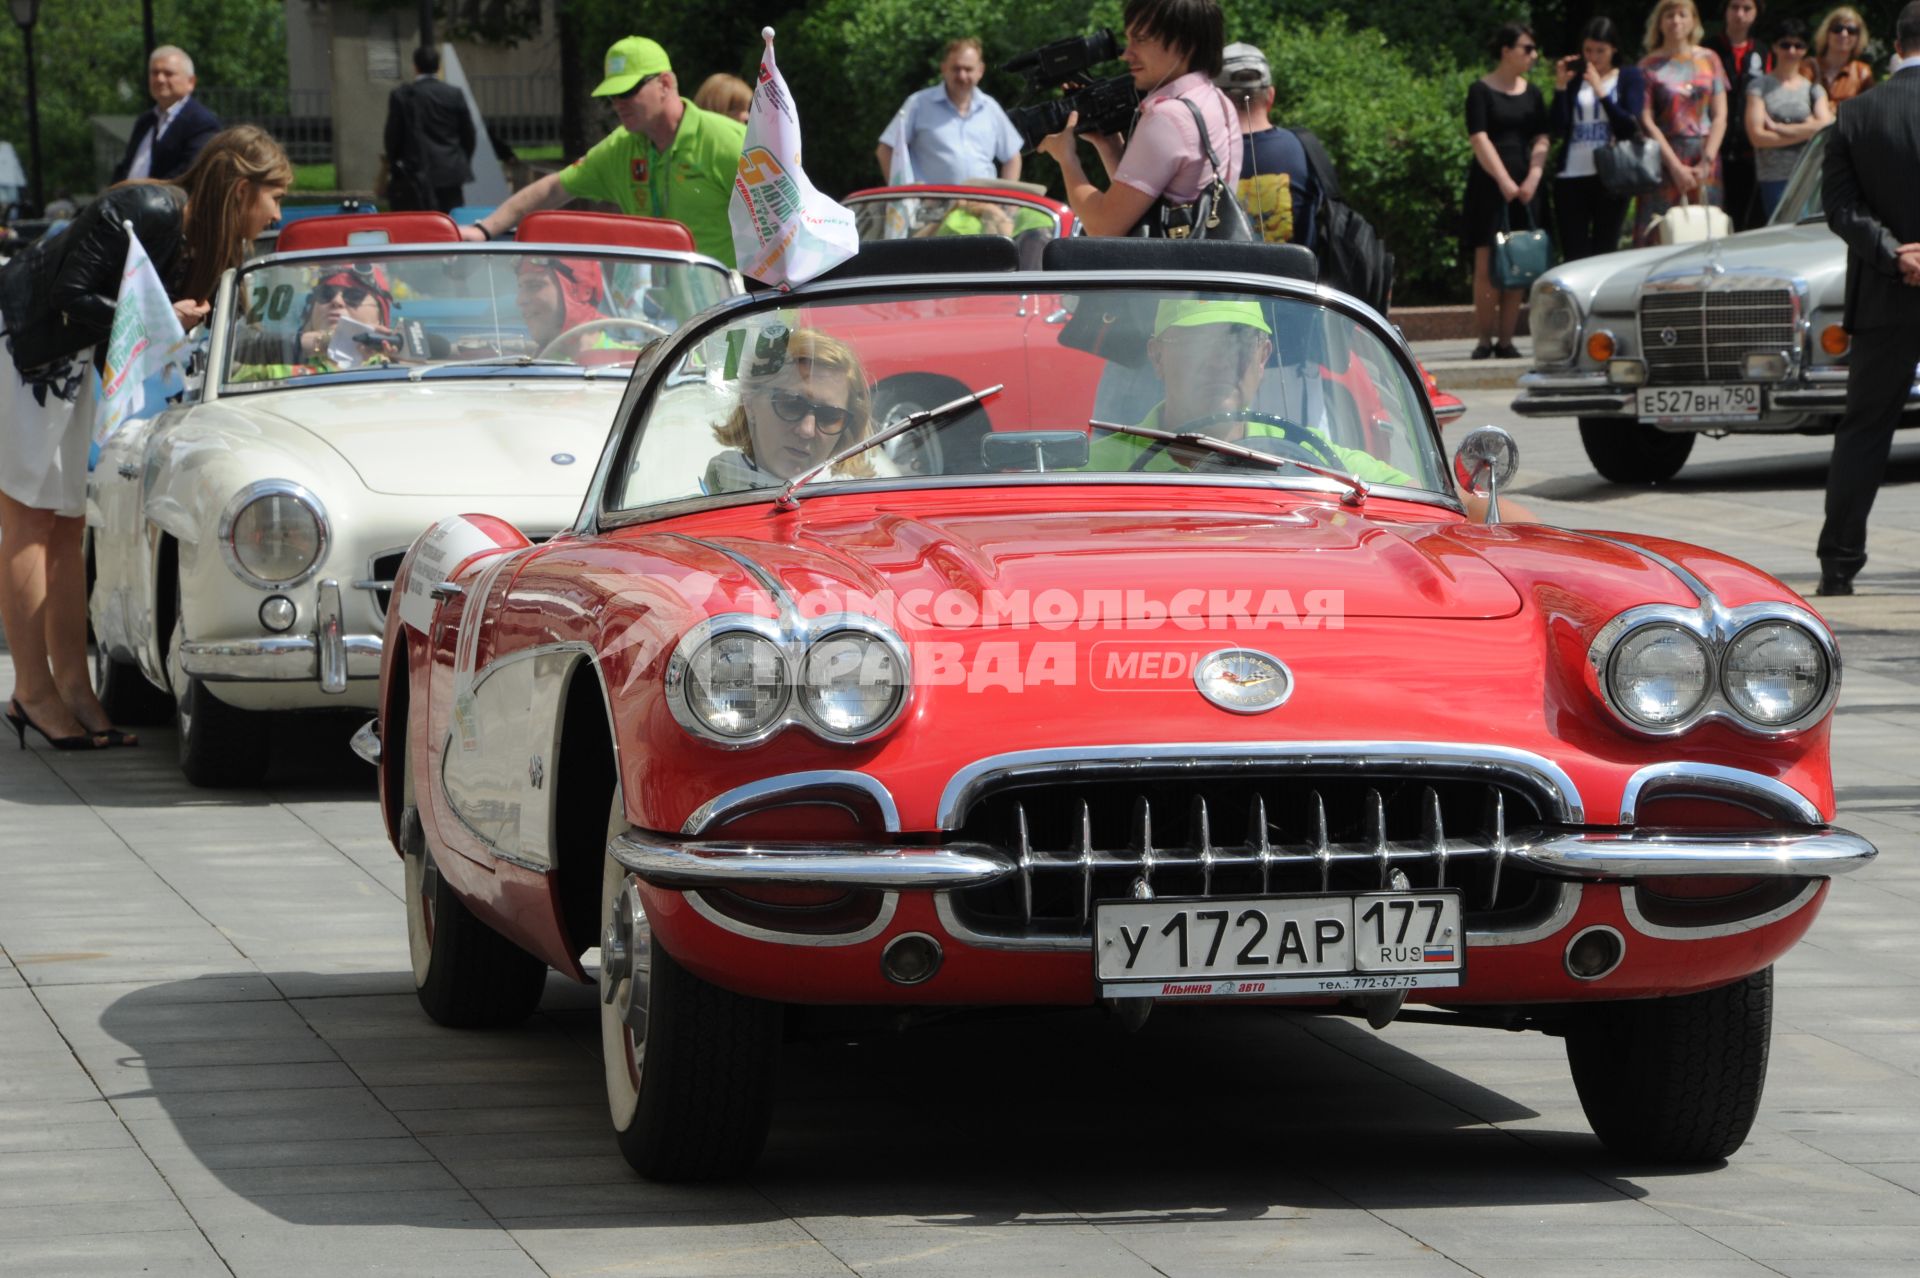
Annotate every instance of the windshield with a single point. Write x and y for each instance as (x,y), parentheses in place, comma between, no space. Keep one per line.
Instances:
(1803,200)
(775,392)
(382,315)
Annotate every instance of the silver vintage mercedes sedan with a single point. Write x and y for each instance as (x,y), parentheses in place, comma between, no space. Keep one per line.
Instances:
(1651,348)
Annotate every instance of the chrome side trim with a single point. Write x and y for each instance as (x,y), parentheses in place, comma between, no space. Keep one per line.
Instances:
(1765,795)
(329,640)
(281,659)
(366,742)
(1647,853)
(758,794)
(678,863)
(1562,914)
(1647,927)
(1700,592)
(1536,771)
(889,903)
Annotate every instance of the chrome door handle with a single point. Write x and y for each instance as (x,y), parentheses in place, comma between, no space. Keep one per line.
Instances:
(446,590)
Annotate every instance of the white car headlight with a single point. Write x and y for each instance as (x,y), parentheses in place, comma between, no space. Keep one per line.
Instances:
(1659,675)
(1554,320)
(736,684)
(1774,673)
(273,534)
(852,682)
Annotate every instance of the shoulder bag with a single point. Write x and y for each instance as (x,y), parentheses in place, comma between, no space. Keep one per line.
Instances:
(1519,257)
(1631,166)
(1213,215)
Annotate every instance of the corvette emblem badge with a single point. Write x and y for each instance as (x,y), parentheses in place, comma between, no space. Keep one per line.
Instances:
(1243,680)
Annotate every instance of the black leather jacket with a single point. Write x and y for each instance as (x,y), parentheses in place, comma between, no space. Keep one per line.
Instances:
(58,296)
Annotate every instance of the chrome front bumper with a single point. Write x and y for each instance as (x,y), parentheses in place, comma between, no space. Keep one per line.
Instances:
(1626,853)
(328,656)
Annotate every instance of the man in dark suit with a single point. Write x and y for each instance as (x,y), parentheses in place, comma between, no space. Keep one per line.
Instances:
(1871,161)
(166,139)
(430,139)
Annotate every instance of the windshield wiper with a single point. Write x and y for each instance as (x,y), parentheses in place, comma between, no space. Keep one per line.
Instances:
(926,416)
(1357,490)
(419,371)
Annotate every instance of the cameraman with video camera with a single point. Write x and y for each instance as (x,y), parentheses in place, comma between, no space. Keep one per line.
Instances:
(1173,52)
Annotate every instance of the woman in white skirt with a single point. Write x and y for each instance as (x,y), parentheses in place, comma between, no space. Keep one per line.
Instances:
(56,308)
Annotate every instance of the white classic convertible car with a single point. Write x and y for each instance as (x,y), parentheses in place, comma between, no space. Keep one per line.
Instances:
(373,375)
(1651,348)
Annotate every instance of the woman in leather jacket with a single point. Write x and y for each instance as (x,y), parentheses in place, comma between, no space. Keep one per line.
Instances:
(56,311)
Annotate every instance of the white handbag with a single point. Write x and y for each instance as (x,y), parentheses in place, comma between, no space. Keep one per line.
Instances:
(1686,223)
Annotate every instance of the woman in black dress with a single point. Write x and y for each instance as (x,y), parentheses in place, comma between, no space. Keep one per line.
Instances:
(1507,123)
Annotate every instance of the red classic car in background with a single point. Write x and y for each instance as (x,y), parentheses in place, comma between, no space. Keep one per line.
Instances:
(1212,692)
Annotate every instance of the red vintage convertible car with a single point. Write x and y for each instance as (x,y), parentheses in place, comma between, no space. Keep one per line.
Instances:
(1211,691)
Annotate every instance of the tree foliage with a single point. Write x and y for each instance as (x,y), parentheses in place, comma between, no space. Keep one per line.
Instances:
(89,60)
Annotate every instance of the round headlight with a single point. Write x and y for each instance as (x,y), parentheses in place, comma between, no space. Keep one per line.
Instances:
(1554,321)
(276,538)
(1659,675)
(736,684)
(851,682)
(1774,673)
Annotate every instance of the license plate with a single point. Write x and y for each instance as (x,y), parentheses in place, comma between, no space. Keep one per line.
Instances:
(1696,403)
(1190,948)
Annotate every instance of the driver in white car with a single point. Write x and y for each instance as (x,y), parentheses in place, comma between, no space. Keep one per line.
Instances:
(557,295)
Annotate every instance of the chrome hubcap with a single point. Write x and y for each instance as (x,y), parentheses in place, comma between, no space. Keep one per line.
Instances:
(626,951)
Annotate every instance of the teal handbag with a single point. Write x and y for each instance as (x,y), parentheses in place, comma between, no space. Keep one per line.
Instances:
(1519,257)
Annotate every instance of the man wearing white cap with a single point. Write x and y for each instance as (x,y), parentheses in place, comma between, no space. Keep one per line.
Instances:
(1276,186)
(667,159)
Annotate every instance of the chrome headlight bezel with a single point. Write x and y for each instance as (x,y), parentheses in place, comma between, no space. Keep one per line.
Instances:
(246,497)
(1716,628)
(1545,308)
(791,640)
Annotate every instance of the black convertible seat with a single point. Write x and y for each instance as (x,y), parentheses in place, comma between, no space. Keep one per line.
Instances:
(1101,253)
(936,255)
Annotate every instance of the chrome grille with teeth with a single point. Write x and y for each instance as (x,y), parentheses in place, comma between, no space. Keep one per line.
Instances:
(1079,842)
(1696,336)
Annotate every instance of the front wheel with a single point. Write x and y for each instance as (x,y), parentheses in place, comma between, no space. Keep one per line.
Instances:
(219,747)
(1634,452)
(689,1065)
(1675,1080)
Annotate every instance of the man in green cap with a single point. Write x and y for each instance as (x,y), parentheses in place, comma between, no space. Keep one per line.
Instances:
(1210,355)
(667,159)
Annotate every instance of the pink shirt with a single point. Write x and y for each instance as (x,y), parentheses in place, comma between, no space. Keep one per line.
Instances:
(1164,156)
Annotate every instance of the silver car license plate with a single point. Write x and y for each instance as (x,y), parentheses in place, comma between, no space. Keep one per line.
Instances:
(1697,403)
(1220,948)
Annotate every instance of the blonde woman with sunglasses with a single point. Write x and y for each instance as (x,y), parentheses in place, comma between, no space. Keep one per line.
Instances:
(1838,64)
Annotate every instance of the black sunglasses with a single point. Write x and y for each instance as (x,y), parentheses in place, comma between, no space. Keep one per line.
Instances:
(1529,48)
(1790,46)
(353,293)
(1844,28)
(638,85)
(828,419)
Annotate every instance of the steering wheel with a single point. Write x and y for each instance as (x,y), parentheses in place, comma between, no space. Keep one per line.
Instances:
(600,326)
(1294,440)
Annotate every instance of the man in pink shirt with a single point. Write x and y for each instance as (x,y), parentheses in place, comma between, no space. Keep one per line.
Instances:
(1174,51)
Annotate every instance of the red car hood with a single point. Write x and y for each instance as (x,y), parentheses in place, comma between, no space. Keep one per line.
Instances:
(1327,560)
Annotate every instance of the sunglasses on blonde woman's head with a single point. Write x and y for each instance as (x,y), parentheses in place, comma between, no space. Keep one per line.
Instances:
(828,419)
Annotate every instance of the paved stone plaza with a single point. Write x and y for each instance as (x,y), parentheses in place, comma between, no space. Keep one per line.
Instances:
(211,1059)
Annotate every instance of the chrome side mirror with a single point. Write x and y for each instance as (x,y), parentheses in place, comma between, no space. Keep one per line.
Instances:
(1484,464)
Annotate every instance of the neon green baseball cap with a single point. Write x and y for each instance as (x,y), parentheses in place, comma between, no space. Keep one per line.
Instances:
(630,61)
(1196,312)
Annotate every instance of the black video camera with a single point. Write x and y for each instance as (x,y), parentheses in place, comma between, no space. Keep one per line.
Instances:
(1105,106)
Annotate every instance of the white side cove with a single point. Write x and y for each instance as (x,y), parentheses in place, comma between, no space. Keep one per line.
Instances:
(489,185)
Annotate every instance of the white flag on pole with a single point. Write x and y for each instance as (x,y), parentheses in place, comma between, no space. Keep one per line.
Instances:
(146,343)
(784,231)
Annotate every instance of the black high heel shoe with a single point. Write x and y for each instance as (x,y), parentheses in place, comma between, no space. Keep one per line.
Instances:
(17,716)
